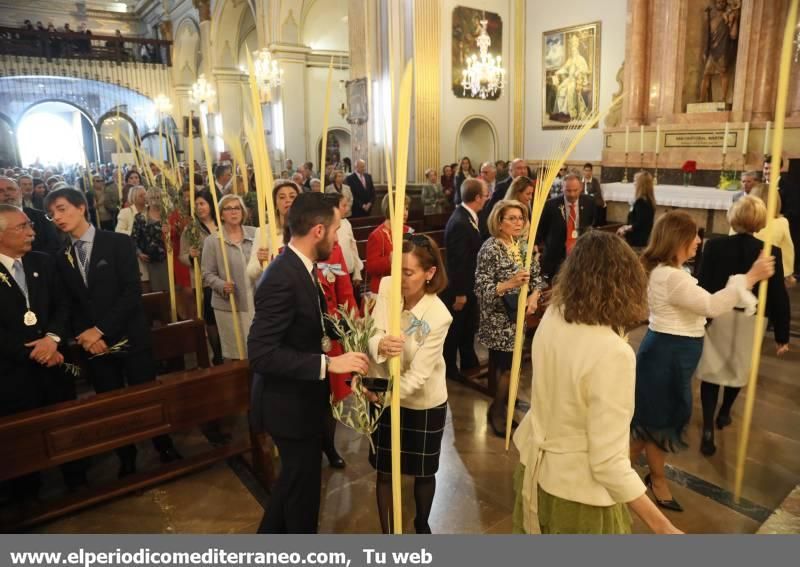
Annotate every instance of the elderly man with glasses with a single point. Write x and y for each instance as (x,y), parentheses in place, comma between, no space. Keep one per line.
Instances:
(46,239)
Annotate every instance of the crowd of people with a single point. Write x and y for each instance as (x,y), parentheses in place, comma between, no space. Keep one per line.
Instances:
(76,258)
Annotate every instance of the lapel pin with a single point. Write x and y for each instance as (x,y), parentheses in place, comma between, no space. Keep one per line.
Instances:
(35,274)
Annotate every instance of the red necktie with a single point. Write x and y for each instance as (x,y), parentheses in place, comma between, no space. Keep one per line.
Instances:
(571,228)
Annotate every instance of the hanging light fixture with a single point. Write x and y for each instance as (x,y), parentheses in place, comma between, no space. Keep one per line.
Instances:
(484,75)
(268,73)
(162,104)
(203,93)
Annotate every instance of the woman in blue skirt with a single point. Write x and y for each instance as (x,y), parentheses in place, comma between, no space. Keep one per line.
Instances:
(671,349)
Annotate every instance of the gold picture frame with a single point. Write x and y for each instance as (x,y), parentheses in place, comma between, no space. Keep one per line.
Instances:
(570,75)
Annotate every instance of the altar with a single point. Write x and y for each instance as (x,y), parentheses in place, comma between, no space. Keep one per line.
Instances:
(708,205)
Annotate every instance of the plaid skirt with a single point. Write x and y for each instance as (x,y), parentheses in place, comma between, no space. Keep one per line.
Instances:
(421,434)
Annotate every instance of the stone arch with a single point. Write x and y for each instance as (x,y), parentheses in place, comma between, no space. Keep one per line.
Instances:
(323,25)
(225,31)
(476,139)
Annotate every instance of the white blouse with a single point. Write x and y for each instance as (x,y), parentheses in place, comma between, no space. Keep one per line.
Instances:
(782,238)
(678,306)
(347,241)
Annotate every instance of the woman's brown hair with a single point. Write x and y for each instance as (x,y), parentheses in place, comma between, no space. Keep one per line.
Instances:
(674,231)
(428,255)
(518,186)
(643,183)
(602,282)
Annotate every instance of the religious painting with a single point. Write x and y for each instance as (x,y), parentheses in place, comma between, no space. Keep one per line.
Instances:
(357,101)
(466,30)
(571,82)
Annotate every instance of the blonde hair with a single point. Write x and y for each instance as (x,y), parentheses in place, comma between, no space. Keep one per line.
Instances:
(232,197)
(499,211)
(671,233)
(643,183)
(385,205)
(747,215)
(518,186)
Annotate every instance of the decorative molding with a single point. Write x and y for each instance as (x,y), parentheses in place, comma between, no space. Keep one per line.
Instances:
(519,79)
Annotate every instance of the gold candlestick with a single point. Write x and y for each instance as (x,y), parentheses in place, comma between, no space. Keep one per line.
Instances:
(655,175)
(722,172)
(625,174)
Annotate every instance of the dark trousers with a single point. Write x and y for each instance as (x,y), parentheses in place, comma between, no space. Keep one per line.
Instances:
(794,230)
(461,335)
(114,372)
(294,504)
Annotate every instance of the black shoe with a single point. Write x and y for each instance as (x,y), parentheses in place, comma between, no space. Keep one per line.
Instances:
(169,455)
(499,432)
(707,446)
(336,461)
(421,527)
(126,468)
(723,421)
(666,504)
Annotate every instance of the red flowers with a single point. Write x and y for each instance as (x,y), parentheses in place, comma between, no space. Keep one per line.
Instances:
(689,166)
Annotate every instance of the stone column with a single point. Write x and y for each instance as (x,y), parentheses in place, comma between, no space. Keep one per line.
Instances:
(204,10)
(636,84)
(290,100)
(360,29)
(518,55)
(767,71)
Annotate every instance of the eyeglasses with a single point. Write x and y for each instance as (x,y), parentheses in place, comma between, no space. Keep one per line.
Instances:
(229,209)
(417,239)
(21,227)
(514,219)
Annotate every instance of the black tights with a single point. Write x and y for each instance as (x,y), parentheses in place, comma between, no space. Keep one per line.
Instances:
(424,488)
(709,394)
(329,432)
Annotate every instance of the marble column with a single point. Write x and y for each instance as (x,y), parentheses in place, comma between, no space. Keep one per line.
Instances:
(769,50)
(360,30)
(636,84)
(290,100)
(794,93)
(518,139)
(427,84)
(204,10)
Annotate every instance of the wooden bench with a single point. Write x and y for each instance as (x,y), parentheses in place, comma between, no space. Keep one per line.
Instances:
(436,221)
(156,308)
(366,221)
(363,232)
(179,401)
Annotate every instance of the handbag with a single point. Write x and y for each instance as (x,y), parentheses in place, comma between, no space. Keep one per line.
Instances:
(511,303)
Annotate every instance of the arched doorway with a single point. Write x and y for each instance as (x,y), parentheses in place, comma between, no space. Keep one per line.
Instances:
(8,143)
(476,140)
(107,130)
(54,132)
(337,149)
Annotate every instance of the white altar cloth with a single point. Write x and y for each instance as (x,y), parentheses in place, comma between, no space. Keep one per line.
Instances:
(691,197)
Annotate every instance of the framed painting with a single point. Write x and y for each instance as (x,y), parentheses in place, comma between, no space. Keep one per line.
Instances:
(571,81)
(357,101)
(465,31)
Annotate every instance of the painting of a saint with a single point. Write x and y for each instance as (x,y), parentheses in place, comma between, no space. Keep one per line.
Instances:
(571,61)
(466,30)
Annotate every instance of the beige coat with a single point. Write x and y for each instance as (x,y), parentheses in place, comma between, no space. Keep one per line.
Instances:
(575,440)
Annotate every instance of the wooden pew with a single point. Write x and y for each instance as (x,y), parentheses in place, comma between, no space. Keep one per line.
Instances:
(179,401)
(363,232)
(366,221)
(436,221)
(156,308)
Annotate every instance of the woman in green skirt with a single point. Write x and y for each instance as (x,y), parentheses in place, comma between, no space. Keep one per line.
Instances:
(575,474)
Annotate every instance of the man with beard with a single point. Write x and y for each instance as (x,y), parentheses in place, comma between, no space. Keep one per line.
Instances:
(286,347)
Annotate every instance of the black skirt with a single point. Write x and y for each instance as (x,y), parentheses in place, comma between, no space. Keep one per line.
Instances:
(421,434)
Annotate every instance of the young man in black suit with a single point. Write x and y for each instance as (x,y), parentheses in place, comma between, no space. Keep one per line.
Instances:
(286,347)
(463,240)
(563,220)
(47,239)
(31,332)
(360,183)
(101,278)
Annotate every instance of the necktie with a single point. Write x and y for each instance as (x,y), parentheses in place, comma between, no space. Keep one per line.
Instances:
(571,228)
(82,260)
(19,276)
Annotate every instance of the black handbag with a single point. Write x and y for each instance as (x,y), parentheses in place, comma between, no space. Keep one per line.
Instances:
(511,303)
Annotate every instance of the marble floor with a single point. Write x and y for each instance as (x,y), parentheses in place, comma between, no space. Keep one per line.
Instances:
(474,483)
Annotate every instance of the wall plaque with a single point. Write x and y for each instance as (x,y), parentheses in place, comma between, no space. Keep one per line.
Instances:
(699,139)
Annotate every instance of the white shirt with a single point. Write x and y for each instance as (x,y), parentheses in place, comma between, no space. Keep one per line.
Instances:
(309,265)
(347,241)
(472,213)
(8,262)
(678,306)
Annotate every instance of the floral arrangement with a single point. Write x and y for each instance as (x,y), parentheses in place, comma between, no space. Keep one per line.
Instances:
(729,181)
(356,411)
(689,166)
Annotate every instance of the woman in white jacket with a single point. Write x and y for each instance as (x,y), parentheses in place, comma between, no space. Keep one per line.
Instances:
(283,195)
(137,203)
(423,392)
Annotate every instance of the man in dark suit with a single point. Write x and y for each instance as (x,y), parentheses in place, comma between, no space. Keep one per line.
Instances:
(360,183)
(518,169)
(563,220)
(47,239)
(31,329)
(286,347)
(463,240)
(101,278)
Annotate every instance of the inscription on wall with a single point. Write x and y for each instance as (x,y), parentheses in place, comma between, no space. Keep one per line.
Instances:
(699,139)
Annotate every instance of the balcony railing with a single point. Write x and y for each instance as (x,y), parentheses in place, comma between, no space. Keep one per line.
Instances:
(66,45)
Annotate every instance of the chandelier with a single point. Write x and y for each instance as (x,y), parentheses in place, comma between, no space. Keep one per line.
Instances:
(268,74)
(202,92)
(162,104)
(484,74)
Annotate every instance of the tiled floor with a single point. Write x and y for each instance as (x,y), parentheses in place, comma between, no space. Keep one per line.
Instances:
(474,490)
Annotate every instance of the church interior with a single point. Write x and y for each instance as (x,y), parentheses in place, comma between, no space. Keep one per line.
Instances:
(209,104)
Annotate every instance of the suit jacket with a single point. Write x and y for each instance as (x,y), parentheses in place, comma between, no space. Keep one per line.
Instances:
(552,232)
(463,241)
(361,194)
(288,399)
(730,255)
(640,218)
(47,238)
(500,190)
(112,301)
(24,382)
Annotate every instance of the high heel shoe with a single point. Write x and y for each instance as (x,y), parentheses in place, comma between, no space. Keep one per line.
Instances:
(494,427)
(707,446)
(671,504)
(723,421)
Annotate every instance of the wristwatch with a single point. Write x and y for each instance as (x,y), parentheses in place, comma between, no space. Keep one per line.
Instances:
(56,338)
